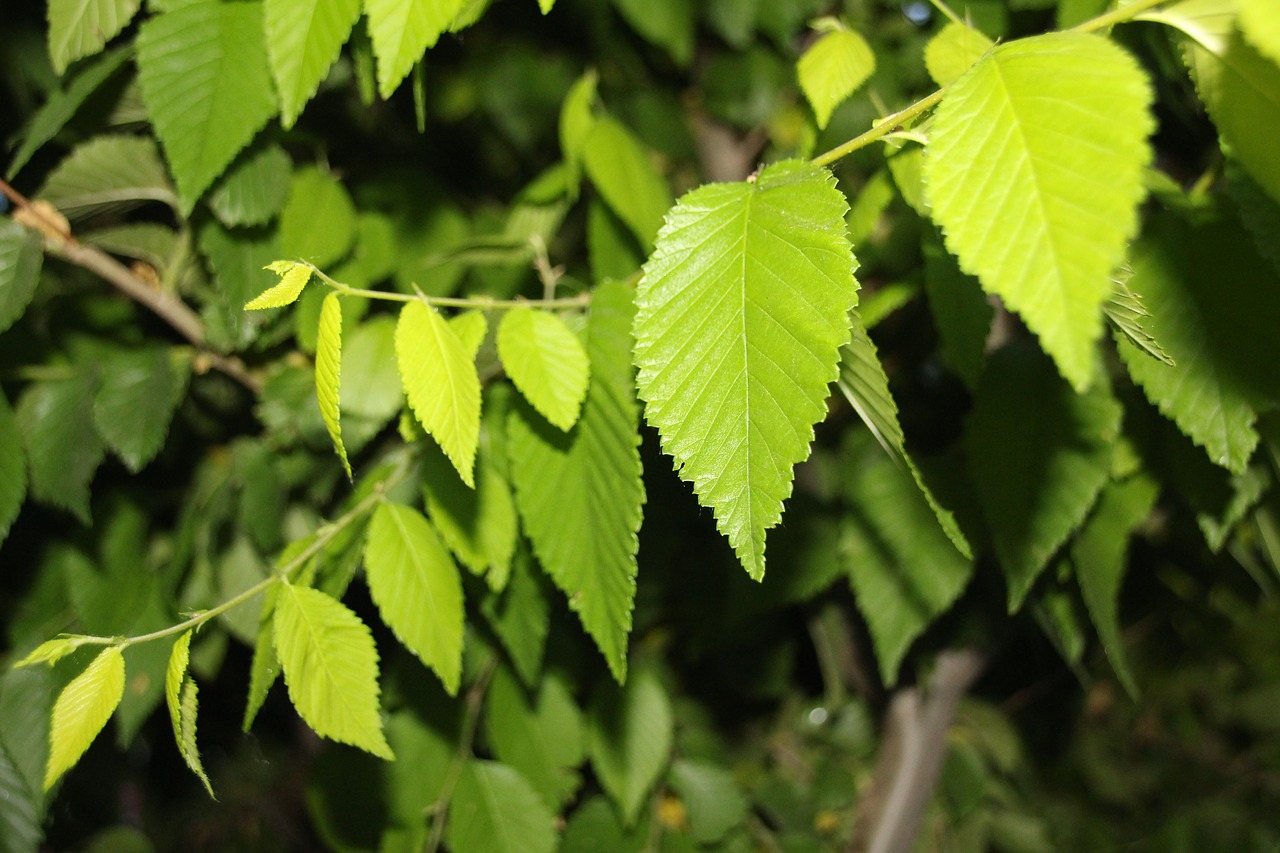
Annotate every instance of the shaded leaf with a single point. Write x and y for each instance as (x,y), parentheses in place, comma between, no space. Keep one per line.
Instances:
(745,301)
(521,617)
(711,796)
(494,810)
(668,24)
(264,667)
(540,735)
(369,364)
(303,39)
(21,256)
(1129,317)
(63,449)
(318,222)
(82,709)
(629,737)
(1039,197)
(479,525)
(621,170)
(546,362)
(960,312)
(330,667)
(80,28)
(20,810)
(108,174)
(577,117)
(833,68)
(401,30)
(254,189)
(329,372)
(13,468)
(135,402)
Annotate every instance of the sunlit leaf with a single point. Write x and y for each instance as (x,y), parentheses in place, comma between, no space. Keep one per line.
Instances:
(293,278)
(329,372)
(82,27)
(330,667)
(1039,196)
(629,737)
(82,709)
(833,68)
(1260,23)
(180,695)
(953,51)
(546,362)
(303,40)
(401,31)
(745,302)
(470,327)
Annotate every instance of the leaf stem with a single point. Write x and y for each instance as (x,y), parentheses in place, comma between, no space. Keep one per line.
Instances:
(482,302)
(1116,16)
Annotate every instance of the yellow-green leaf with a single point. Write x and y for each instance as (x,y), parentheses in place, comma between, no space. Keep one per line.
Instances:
(82,709)
(953,51)
(401,31)
(293,278)
(303,39)
(833,69)
(1260,23)
(329,372)
(181,695)
(546,362)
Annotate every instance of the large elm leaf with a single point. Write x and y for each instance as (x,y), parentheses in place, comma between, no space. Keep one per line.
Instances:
(833,68)
(621,170)
(580,493)
(329,372)
(1260,23)
(440,380)
(1034,172)
(63,449)
(13,468)
(415,584)
(742,310)
(1038,455)
(318,222)
(21,257)
(401,30)
(135,401)
(629,737)
(546,362)
(495,810)
(1212,304)
(330,667)
(207,87)
(303,40)
(82,27)
(82,709)
(254,189)
(108,174)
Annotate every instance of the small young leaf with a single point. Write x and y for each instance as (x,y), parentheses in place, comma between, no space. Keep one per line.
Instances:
(293,278)
(494,810)
(619,166)
(629,738)
(832,69)
(330,667)
(546,362)
(329,372)
(180,694)
(80,28)
(52,651)
(953,51)
(63,449)
(401,30)
(416,586)
(303,40)
(440,380)
(1040,197)
(13,468)
(207,87)
(746,300)
(82,709)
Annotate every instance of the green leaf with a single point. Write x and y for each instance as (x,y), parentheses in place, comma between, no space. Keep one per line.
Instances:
(108,174)
(904,569)
(546,5)
(369,363)
(832,69)
(440,380)
(265,666)
(745,301)
(293,278)
(1260,23)
(416,586)
(303,39)
(401,31)
(236,258)
(521,617)
(479,525)
(581,494)
(82,709)
(20,808)
(52,651)
(540,735)
(207,87)
(629,738)
(1210,298)
(711,797)
(63,449)
(1098,555)
(1036,485)
(1130,318)
(470,327)
(80,28)
(546,362)
(1038,198)
(63,104)
(668,24)
(330,667)
(960,312)
(494,810)
(621,170)
(254,189)
(135,402)
(318,222)
(180,695)
(953,51)
(577,117)
(21,256)
(594,826)
(329,372)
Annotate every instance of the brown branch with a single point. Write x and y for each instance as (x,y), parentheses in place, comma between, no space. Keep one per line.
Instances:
(61,243)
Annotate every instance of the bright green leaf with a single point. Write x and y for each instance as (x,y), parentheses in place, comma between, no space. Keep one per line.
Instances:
(180,695)
(1212,303)
(546,5)
(440,380)
(63,449)
(82,709)
(135,402)
(318,222)
(416,586)
(470,327)
(1098,555)
(303,40)
(581,494)
(330,667)
(621,170)
(401,31)
(108,174)
(953,51)
(832,69)
(1260,23)
(541,735)
(494,810)
(745,301)
(1039,198)
(254,188)
(52,651)
(629,737)
(293,278)
(546,362)
(21,256)
(80,28)
(329,372)
(207,87)
(1036,485)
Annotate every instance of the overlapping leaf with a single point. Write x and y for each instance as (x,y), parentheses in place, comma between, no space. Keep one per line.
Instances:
(546,362)
(108,174)
(207,87)
(135,402)
(580,494)
(254,189)
(742,310)
(21,257)
(833,68)
(329,372)
(479,525)
(402,30)
(1034,173)
(63,449)
(494,809)
(629,738)
(953,51)
(416,586)
(180,695)
(1260,23)
(330,667)
(1129,317)
(318,222)
(82,27)
(440,380)
(541,735)
(621,170)
(82,709)
(303,40)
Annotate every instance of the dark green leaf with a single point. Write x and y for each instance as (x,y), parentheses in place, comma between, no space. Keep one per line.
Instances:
(108,174)
(63,449)
(21,255)
(254,188)
(541,736)
(139,392)
(13,468)
(494,810)
(629,737)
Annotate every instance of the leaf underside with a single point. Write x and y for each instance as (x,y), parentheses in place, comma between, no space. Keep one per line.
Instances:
(303,40)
